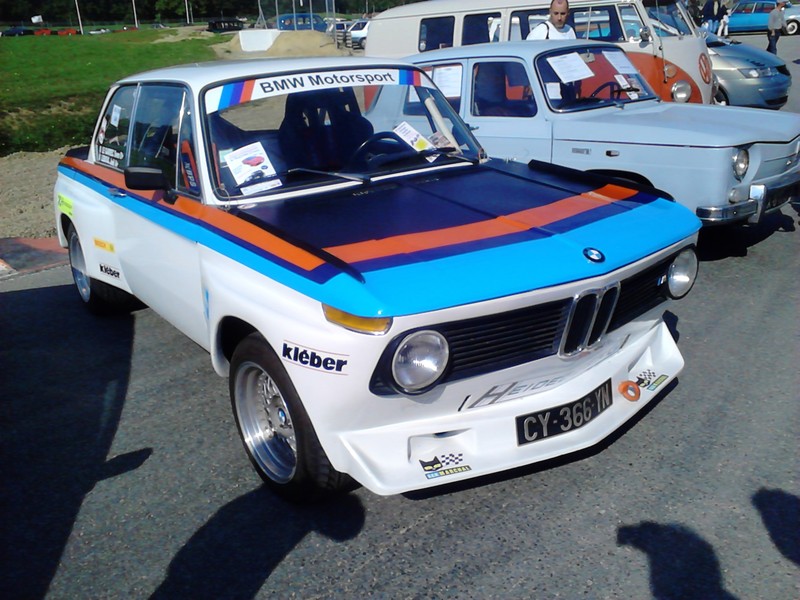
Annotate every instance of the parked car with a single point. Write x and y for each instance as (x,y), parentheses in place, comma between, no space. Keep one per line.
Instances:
(17,31)
(752,15)
(338,31)
(357,34)
(748,76)
(388,304)
(301,21)
(584,105)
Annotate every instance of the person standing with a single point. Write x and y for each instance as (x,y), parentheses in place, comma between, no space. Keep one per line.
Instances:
(776,23)
(555,28)
(712,12)
(723,21)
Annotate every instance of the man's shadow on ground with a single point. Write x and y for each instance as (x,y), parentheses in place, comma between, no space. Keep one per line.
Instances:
(233,555)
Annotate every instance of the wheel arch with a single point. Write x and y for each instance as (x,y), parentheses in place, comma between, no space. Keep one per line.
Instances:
(230,332)
(637,178)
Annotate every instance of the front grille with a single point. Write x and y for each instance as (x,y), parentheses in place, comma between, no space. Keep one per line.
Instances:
(494,342)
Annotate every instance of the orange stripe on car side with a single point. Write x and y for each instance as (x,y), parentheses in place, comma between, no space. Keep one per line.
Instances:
(211,215)
(482,230)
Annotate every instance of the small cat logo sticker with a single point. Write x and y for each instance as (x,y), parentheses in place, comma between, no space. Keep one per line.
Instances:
(436,468)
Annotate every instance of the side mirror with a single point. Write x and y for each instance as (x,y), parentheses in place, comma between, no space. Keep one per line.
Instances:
(644,34)
(149,178)
(146,178)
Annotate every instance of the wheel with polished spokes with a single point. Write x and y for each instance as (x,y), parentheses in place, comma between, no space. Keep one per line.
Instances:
(274,427)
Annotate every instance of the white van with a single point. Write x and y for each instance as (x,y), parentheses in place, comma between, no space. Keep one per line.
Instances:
(658,35)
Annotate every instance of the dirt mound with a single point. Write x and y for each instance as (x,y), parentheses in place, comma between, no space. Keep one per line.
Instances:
(288,43)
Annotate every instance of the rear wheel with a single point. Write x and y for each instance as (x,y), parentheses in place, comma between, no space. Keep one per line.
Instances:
(792,27)
(275,429)
(99,297)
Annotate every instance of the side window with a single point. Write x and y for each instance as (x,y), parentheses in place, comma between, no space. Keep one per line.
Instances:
(436,33)
(112,136)
(599,23)
(448,79)
(631,21)
(527,19)
(478,29)
(501,89)
(154,136)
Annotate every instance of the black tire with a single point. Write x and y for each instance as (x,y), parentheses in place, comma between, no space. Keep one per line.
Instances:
(721,98)
(792,27)
(100,298)
(275,429)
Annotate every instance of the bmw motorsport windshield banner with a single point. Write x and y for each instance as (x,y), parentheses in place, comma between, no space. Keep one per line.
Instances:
(239,92)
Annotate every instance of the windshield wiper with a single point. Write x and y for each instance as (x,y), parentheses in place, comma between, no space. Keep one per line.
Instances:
(346,176)
(449,152)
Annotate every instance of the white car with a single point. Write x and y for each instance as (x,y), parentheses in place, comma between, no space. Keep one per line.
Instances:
(389,306)
(584,105)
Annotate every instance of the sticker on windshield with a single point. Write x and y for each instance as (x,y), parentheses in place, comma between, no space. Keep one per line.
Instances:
(627,86)
(620,61)
(414,138)
(239,92)
(570,67)
(250,164)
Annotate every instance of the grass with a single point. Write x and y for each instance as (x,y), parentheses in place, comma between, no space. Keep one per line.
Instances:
(51,87)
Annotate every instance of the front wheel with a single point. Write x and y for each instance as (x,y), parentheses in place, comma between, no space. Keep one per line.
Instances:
(275,429)
(721,98)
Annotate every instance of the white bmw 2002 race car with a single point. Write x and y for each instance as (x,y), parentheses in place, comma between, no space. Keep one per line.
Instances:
(584,105)
(389,305)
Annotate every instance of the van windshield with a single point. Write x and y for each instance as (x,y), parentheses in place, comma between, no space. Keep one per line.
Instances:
(669,18)
(299,130)
(590,78)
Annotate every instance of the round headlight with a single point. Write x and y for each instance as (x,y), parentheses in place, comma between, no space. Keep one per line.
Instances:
(682,273)
(741,161)
(681,91)
(420,360)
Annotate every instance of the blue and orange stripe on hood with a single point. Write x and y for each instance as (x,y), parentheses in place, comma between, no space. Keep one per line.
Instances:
(429,241)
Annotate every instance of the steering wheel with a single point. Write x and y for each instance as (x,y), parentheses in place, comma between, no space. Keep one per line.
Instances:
(616,89)
(362,152)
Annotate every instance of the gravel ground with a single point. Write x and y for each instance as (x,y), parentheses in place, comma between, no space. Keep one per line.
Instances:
(26,194)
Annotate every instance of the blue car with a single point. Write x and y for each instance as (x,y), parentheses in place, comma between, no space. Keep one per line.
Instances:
(301,21)
(752,15)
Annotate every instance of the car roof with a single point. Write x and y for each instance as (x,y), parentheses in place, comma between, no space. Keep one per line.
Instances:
(525,49)
(199,75)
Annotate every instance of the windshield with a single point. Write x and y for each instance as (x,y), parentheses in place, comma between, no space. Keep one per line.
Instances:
(669,18)
(593,77)
(280,133)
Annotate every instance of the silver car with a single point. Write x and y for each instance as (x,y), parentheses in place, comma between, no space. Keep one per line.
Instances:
(748,76)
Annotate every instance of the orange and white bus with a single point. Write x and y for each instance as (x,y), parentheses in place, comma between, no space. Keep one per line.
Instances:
(658,35)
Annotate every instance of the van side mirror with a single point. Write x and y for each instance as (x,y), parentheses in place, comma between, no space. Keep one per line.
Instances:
(644,34)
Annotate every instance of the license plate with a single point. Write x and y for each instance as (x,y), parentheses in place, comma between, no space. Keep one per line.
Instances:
(544,424)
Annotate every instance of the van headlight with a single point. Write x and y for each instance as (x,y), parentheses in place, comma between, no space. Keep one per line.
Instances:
(682,273)
(741,162)
(681,91)
(420,360)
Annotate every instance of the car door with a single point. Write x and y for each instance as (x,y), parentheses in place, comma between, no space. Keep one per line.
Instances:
(157,253)
(495,98)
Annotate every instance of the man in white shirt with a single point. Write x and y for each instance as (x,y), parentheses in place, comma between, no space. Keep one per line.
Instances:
(555,28)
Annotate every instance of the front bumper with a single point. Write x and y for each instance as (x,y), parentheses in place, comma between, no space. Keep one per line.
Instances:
(760,92)
(763,199)
(418,453)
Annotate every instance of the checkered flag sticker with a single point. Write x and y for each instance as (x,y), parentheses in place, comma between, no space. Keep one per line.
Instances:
(451,459)
(645,378)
